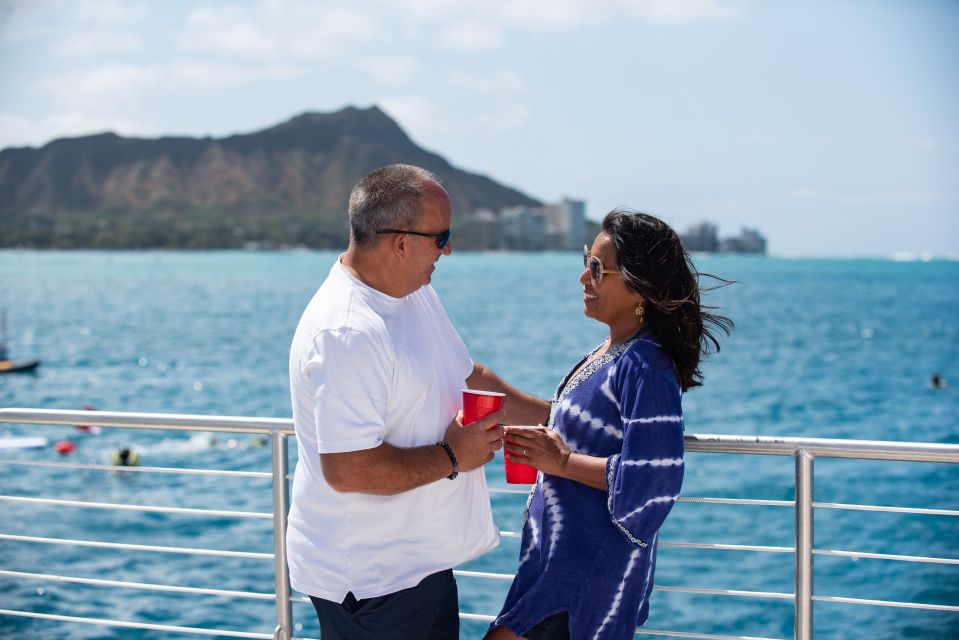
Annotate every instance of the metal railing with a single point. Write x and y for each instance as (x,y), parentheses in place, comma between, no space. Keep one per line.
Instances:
(804,451)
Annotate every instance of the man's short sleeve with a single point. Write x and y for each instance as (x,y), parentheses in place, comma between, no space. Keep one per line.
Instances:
(350,377)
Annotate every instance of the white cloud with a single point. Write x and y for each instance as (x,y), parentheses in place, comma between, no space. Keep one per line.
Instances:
(430,124)
(97,42)
(314,30)
(228,30)
(470,35)
(501,96)
(16,131)
(107,11)
(390,71)
(332,32)
(567,14)
(70,20)
(124,86)
(277,30)
(559,14)
(419,117)
(192,74)
(118,85)
(503,117)
(493,82)
(683,11)
(19,22)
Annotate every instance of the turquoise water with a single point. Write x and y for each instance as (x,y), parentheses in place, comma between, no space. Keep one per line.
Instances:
(822,348)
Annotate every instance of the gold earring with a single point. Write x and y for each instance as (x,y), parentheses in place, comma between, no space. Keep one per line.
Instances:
(640,312)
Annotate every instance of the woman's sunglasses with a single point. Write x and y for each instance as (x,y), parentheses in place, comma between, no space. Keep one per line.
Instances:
(441,238)
(595,267)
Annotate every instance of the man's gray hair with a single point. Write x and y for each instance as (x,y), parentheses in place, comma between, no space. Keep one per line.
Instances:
(387,198)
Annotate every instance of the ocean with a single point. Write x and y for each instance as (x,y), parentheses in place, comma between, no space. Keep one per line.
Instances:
(822,348)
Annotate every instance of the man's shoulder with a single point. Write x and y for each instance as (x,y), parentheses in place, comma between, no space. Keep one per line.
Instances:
(341,307)
(427,296)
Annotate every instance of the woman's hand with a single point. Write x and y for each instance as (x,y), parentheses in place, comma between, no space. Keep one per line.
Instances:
(538,447)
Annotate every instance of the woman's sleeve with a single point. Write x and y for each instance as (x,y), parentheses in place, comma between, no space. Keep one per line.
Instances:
(644,480)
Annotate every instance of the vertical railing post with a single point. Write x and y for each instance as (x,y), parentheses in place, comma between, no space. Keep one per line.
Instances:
(804,544)
(281,504)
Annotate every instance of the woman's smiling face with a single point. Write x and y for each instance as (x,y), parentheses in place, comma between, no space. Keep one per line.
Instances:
(612,301)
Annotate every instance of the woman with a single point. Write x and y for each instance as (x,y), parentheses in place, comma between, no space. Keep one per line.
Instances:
(611,458)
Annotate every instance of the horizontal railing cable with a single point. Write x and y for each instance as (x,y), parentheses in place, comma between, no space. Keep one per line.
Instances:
(483,574)
(822,552)
(137,507)
(742,501)
(713,546)
(820,447)
(884,556)
(725,547)
(123,624)
(869,507)
(739,593)
(137,547)
(482,617)
(700,636)
(142,586)
(165,421)
(524,492)
(888,603)
(822,505)
(126,469)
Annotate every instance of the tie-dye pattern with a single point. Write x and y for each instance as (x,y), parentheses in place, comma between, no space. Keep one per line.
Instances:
(588,552)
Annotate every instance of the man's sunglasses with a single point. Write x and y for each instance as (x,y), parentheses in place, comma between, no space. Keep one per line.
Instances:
(441,238)
(595,267)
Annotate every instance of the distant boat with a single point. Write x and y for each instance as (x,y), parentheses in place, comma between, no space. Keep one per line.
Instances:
(6,364)
(18,366)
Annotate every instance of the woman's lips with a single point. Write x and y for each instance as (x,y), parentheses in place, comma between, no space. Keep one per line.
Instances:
(588,297)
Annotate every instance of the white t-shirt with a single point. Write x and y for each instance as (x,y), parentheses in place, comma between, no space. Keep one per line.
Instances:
(367,368)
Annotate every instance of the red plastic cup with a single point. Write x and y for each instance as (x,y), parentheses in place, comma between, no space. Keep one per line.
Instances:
(479,404)
(517,472)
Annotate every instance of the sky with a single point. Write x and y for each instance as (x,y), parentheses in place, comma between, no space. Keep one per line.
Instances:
(830,126)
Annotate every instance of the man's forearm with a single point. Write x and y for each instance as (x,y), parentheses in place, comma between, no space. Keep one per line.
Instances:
(386,469)
(521,408)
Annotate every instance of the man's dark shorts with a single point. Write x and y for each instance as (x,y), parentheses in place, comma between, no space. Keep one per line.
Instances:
(428,611)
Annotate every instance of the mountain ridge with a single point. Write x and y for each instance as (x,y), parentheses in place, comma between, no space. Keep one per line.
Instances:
(287,184)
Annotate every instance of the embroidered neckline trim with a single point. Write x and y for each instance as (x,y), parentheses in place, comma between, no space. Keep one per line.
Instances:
(588,370)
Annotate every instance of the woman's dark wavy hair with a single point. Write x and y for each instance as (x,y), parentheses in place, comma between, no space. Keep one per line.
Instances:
(654,263)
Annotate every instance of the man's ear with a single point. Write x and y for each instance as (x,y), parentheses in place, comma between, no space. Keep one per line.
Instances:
(400,244)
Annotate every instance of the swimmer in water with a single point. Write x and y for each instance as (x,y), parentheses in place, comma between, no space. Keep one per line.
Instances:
(126,458)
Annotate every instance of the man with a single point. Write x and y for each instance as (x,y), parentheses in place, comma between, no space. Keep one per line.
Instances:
(389,492)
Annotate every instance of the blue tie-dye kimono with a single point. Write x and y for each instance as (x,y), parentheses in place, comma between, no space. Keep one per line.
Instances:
(589,552)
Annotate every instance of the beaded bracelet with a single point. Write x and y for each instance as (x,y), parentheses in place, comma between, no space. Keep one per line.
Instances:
(449,452)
